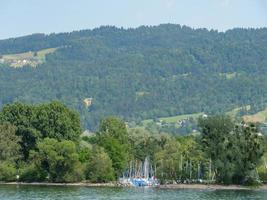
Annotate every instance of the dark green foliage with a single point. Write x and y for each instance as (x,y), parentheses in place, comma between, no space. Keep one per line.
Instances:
(143,143)
(9,143)
(234,150)
(9,152)
(117,153)
(99,168)
(29,172)
(47,135)
(59,160)
(168,161)
(215,129)
(56,121)
(32,42)
(20,115)
(84,154)
(115,128)
(52,120)
(248,150)
(217,140)
(8,171)
(141,73)
(113,137)
(50,135)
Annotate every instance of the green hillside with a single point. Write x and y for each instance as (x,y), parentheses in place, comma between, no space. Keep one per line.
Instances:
(143,73)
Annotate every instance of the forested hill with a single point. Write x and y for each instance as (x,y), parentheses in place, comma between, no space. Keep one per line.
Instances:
(140,73)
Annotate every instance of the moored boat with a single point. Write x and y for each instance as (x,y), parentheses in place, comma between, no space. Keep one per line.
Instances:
(140,174)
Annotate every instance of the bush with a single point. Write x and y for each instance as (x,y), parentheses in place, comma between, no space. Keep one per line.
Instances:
(31,173)
(252,179)
(75,175)
(59,160)
(8,172)
(99,168)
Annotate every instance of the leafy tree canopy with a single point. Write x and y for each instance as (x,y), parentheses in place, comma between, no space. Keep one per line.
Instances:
(33,122)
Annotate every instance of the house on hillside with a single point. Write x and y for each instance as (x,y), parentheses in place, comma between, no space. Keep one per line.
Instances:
(88,102)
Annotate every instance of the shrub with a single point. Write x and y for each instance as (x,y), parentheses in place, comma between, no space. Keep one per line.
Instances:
(31,173)
(8,172)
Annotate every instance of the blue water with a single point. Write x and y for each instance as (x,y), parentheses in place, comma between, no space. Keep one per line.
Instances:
(87,193)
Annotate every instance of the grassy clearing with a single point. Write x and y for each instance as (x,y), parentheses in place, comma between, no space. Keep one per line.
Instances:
(176,118)
(229,75)
(42,53)
(141,93)
(234,112)
(180,117)
(27,58)
(258,117)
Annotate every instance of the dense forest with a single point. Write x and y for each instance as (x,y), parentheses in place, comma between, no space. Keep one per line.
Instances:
(141,73)
(44,143)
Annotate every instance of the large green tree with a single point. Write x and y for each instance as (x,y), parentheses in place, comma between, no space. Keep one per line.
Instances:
(113,137)
(234,150)
(168,161)
(55,120)
(21,115)
(143,143)
(35,122)
(9,152)
(217,143)
(99,168)
(9,143)
(59,160)
(248,151)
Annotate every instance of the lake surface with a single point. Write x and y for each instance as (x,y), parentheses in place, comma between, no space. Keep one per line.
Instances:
(12,192)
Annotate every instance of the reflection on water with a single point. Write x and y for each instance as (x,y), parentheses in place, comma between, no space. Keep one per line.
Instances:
(86,193)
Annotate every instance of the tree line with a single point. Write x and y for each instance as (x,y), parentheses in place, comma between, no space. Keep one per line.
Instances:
(45,143)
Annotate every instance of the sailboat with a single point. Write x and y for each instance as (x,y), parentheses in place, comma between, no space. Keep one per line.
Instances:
(140,174)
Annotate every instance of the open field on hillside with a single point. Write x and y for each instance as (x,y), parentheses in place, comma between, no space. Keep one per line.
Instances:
(27,58)
(234,112)
(258,117)
(180,117)
(176,118)
(228,75)
(173,119)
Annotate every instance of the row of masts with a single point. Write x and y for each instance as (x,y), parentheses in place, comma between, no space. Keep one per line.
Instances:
(188,171)
(139,169)
(145,170)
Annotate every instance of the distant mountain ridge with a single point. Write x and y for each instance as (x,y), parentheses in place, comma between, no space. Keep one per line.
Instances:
(141,73)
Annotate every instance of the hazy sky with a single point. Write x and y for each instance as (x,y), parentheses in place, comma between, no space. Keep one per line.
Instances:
(21,17)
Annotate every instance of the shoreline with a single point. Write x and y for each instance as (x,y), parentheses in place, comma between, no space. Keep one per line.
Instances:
(167,186)
(213,187)
(62,184)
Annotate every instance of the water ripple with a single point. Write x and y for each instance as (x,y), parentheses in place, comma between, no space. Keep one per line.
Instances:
(86,193)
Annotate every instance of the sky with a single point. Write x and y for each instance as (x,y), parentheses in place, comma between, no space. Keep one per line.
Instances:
(23,17)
